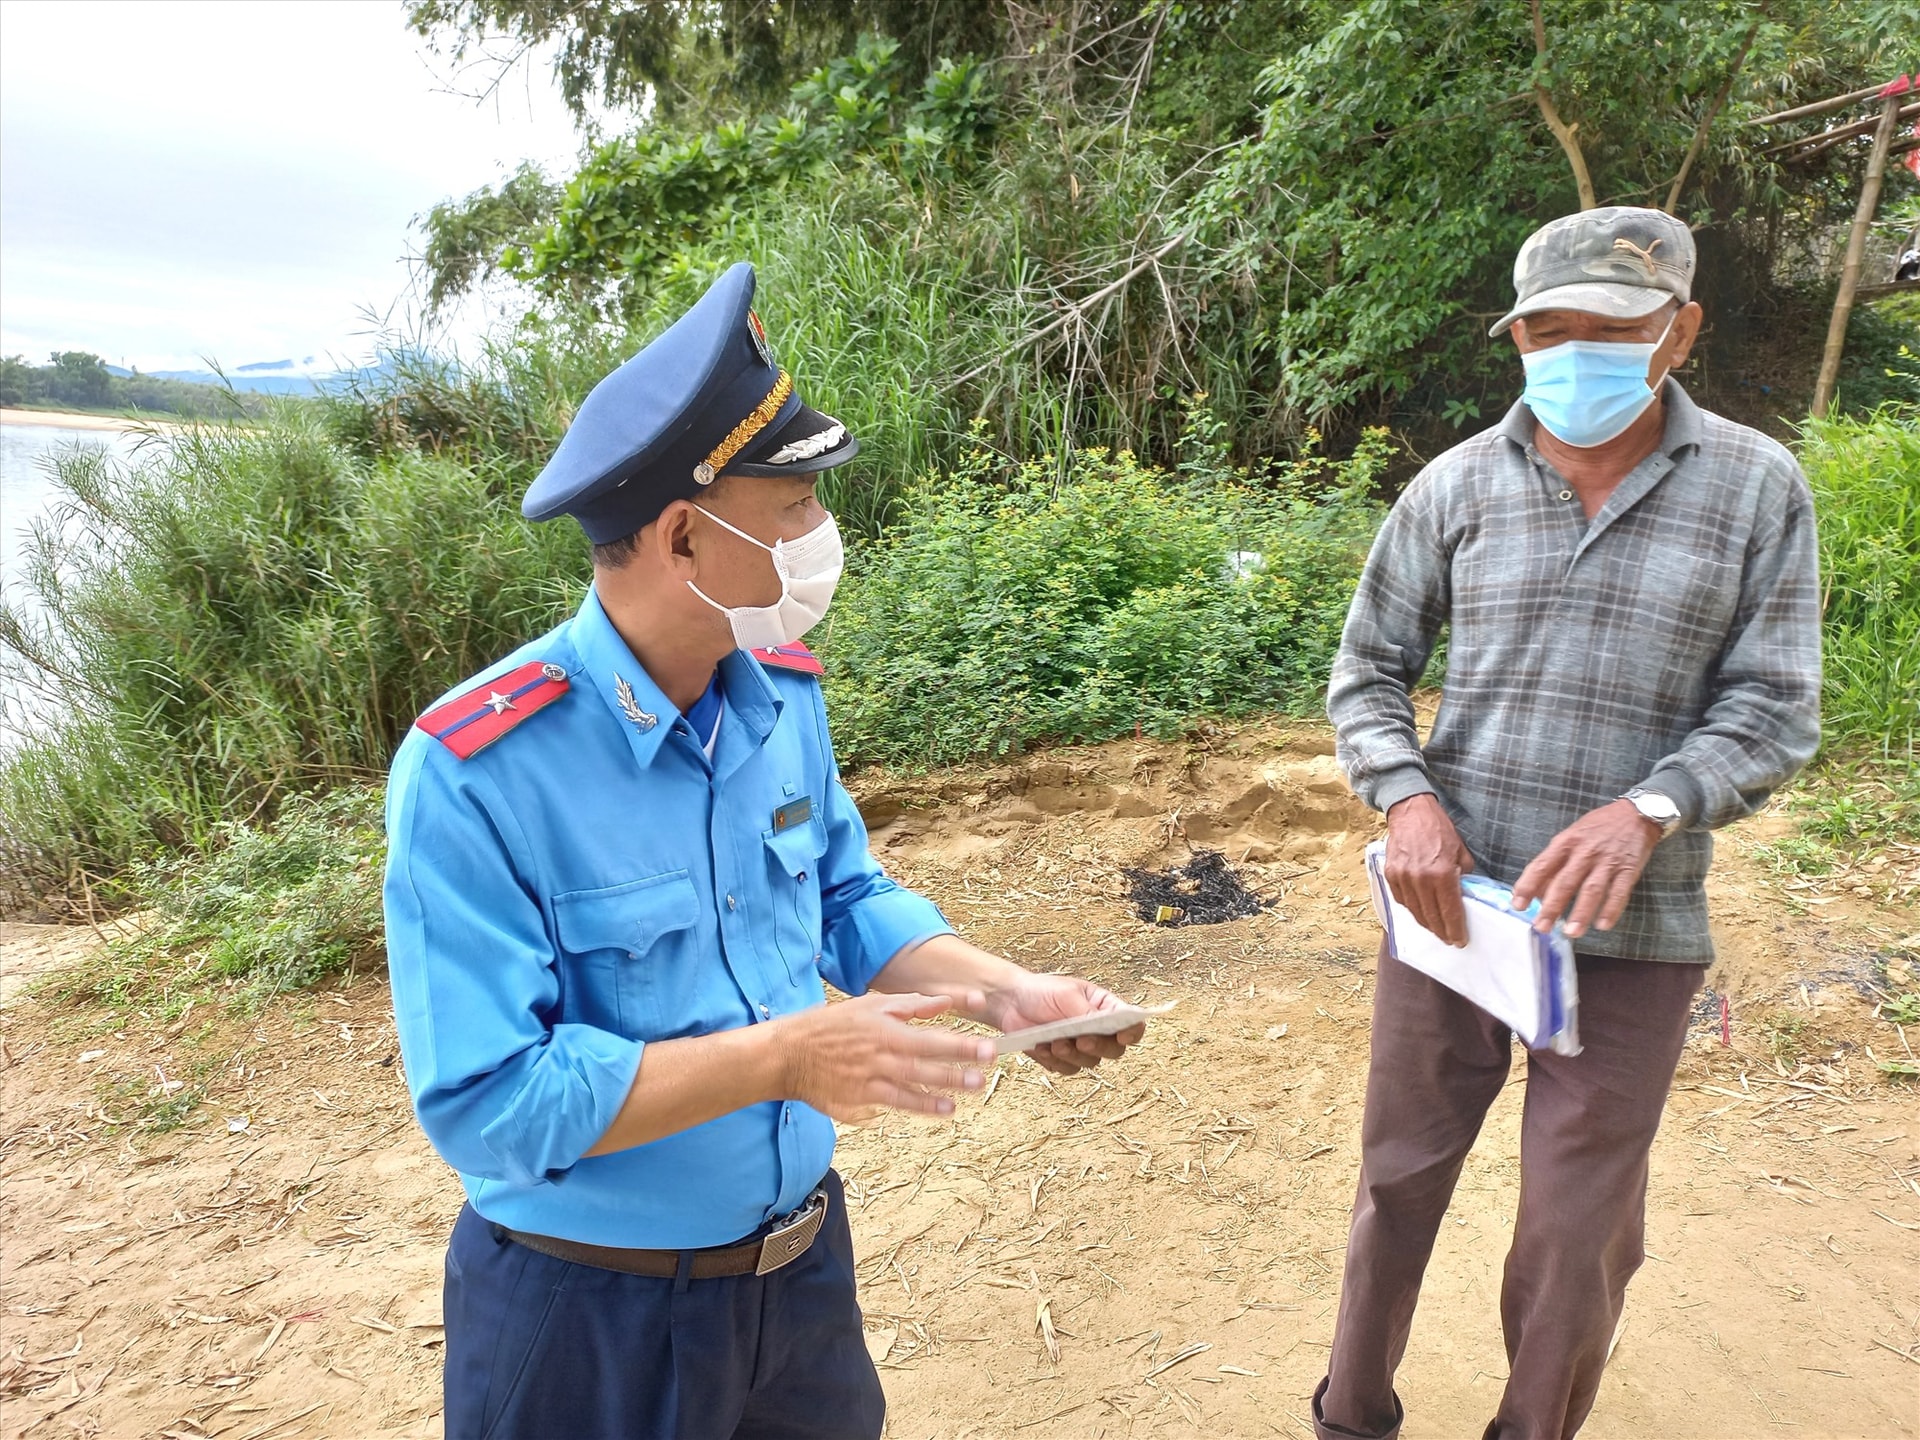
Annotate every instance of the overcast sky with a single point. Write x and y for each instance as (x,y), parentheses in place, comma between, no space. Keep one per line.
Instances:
(232,180)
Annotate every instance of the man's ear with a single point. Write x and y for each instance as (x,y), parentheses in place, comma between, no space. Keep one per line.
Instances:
(673,536)
(1686,329)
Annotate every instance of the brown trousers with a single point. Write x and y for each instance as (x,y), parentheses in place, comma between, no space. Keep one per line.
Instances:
(1438,1063)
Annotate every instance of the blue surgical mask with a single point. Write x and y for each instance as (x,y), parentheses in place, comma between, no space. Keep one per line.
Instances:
(1588,391)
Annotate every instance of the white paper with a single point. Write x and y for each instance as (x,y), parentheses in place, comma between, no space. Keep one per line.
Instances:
(1507,968)
(1095,1022)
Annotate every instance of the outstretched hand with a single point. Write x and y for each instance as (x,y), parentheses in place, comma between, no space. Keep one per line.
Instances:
(1042,999)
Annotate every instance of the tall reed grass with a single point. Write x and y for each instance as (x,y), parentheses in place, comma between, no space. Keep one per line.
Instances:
(244,615)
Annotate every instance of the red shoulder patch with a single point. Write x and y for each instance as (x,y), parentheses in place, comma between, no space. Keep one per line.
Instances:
(791,657)
(470,722)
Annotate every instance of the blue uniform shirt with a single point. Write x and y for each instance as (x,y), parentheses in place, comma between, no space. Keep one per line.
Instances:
(586,884)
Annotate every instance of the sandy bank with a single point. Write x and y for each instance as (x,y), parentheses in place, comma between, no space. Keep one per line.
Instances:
(69,420)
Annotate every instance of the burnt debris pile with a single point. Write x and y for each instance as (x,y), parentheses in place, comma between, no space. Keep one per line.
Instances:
(1204,891)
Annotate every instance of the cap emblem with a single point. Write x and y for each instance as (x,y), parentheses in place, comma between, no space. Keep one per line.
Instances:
(757,333)
(809,446)
(1645,257)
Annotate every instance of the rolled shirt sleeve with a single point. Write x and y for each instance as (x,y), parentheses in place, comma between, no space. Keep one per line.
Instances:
(866,919)
(501,1091)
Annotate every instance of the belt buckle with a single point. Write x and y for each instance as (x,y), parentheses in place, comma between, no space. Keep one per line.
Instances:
(789,1241)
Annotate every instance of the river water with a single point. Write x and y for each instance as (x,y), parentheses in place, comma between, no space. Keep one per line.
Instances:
(27,495)
(26,483)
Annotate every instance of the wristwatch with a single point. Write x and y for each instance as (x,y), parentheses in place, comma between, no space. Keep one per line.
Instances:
(1656,807)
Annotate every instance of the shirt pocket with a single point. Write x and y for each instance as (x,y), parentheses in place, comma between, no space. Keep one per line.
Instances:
(793,858)
(626,942)
(1687,611)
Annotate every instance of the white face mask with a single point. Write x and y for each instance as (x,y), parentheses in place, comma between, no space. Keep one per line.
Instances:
(809,570)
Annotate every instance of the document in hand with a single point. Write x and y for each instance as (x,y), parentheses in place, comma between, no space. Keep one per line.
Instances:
(1509,969)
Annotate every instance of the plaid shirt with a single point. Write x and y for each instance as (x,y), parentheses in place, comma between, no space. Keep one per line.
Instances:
(1671,642)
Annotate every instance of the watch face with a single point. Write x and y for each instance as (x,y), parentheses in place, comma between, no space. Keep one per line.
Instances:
(1658,808)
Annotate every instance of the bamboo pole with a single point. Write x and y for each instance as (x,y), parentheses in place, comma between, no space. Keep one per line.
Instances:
(1856,250)
(1819,107)
(1810,144)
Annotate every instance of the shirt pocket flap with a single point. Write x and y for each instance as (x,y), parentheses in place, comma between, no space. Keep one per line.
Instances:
(628,917)
(798,850)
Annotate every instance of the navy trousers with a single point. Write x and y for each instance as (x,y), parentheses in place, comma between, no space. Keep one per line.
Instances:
(539,1348)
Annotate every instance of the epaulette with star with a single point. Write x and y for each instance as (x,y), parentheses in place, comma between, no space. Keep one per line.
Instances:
(790,657)
(471,721)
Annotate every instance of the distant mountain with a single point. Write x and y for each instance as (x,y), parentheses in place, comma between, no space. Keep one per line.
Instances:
(277,377)
(272,383)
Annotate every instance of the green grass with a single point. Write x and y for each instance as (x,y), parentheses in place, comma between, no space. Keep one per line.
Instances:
(260,910)
(1865,475)
(1787,1034)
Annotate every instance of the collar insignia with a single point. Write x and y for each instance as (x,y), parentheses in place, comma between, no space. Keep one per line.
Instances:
(630,707)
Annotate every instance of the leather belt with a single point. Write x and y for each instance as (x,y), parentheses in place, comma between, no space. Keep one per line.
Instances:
(789,1239)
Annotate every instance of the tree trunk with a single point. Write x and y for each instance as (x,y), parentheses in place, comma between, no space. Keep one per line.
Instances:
(1856,249)
(1563,132)
(1706,122)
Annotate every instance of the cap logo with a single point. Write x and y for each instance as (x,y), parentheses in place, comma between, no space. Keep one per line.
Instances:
(708,470)
(757,333)
(809,448)
(1645,257)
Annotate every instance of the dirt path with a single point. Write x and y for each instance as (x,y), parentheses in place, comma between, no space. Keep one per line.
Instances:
(268,1267)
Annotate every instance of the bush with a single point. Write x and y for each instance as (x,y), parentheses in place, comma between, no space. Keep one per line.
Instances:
(260,910)
(1865,474)
(1021,602)
(243,615)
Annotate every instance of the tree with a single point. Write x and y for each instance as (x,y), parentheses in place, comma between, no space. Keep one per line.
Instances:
(79,378)
(698,61)
(20,383)
(1409,147)
(466,238)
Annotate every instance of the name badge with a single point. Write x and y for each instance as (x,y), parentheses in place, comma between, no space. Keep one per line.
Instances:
(795,812)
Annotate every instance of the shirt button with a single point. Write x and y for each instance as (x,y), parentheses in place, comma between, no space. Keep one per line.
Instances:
(732,904)
(801,877)
(765,1013)
(1566,494)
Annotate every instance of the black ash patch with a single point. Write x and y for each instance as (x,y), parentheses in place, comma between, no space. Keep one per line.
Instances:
(1204,891)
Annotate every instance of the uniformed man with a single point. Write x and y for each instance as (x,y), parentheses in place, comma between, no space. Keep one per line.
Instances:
(622,863)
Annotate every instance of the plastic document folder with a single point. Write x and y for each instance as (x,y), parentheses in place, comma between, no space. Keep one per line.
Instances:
(1510,970)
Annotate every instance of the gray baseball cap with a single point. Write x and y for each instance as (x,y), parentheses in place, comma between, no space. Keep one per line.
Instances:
(1619,261)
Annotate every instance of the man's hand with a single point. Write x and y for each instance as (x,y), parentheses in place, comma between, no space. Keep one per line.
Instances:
(853,1059)
(1592,866)
(1041,999)
(999,993)
(1425,860)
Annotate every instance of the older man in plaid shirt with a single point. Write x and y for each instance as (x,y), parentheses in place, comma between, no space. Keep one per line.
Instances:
(1629,588)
